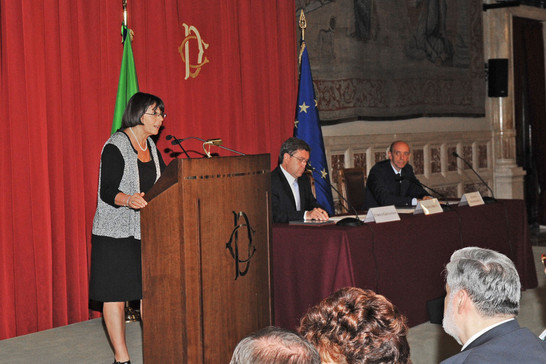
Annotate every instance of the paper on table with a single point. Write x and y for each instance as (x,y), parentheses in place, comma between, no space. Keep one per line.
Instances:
(405,210)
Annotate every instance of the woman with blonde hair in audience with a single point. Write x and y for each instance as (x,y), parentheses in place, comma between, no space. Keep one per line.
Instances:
(356,325)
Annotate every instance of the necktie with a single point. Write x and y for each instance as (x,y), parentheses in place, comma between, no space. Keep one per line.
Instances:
(296,190)
(399,184)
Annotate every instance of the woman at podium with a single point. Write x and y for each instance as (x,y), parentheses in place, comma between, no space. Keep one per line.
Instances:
(130,165)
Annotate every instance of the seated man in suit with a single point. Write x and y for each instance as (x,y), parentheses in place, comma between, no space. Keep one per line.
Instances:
(392,181)
(291,194)
(483,293)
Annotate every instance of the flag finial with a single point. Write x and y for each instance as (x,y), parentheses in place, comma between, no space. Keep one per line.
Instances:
(303,25)
(124,4)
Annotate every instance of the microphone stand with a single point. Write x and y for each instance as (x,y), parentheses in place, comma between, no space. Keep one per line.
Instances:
(486,199)
(177,141)
(226,148)
(346,221)
(418,183)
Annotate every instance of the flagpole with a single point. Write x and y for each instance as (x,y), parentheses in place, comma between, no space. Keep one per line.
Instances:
(302,24)
(131,314)
(307,126)
(124,4)
(128,82)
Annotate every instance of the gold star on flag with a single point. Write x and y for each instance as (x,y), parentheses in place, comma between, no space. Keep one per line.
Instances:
(296,122)
(316,103)
(323,173)
(304,107)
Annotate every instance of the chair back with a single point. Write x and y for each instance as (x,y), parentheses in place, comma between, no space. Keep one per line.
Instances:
(312,180)
(352,185)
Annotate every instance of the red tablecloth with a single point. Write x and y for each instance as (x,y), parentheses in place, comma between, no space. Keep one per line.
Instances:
(402,260)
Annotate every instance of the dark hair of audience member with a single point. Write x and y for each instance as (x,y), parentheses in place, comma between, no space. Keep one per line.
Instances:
(357,326)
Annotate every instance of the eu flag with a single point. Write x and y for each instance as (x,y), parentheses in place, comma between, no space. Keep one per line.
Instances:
(307,127)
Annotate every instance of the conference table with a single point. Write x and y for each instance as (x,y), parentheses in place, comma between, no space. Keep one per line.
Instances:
(402,260)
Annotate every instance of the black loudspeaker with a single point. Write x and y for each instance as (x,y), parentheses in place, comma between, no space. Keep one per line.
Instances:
(497,80)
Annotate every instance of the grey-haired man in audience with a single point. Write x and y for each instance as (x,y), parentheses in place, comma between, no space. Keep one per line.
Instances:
(482,302)
(273,345)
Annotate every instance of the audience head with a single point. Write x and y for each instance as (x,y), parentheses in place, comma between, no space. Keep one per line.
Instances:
(355,325)
(294,156)
(273,345)
(488,280)
(399,154)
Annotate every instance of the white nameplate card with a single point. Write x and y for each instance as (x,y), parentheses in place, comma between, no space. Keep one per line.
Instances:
(382,214)
(428,207)
(471,199)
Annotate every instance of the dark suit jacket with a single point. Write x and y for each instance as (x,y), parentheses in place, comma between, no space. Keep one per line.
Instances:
(282,199)
(381,186)
(507,343)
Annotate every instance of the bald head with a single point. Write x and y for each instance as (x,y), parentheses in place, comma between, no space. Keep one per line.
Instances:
(399,154)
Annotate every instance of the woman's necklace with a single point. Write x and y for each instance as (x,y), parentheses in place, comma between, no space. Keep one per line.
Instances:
(146,144)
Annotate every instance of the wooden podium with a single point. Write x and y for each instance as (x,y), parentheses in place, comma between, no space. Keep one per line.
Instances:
(205,258)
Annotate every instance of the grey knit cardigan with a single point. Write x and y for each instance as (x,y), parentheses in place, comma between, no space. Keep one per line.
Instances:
(121,221)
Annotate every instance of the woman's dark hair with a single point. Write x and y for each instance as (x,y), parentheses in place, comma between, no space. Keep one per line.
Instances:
(137,106)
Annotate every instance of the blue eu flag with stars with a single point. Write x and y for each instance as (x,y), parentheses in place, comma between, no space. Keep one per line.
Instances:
(307,127)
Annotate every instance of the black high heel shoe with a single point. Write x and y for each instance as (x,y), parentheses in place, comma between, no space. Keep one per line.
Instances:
(122,362)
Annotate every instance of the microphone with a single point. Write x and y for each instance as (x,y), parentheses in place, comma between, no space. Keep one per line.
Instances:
(179,142)
(415,181)
(347,221)
(215,141)
(486,199)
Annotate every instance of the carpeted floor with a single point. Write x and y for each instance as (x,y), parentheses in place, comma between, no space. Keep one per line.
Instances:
(86,342)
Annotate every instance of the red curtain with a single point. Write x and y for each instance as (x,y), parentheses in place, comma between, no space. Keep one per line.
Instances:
(60,65)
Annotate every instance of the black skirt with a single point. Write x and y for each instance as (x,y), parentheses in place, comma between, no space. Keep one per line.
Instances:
(116,269)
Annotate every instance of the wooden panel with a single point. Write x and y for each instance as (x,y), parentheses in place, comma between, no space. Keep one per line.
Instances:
(162,282)
(220,304)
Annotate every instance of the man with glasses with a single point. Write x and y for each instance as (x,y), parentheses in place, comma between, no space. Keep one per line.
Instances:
(291,195)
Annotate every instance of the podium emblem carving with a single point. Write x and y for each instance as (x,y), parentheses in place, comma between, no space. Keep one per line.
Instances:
(241,223)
